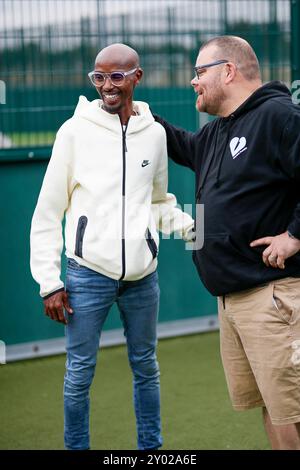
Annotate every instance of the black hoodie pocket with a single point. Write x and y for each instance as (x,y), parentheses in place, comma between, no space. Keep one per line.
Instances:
(151,243)
(224,266)
(82,223)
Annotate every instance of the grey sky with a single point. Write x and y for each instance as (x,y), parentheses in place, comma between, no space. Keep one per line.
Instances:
(30,13)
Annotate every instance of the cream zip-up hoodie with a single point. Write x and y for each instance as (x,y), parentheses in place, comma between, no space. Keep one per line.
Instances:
(110,182)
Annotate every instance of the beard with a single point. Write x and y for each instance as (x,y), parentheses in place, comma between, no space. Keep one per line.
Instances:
(112,109)
(212,101)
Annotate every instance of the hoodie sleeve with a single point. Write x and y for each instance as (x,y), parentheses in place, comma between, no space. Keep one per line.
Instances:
(290,159)
(46,239)
(181,143)
(168,217)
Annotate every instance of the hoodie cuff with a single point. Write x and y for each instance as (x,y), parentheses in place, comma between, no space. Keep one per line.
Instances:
(189,235)
(294,229)
(52,293)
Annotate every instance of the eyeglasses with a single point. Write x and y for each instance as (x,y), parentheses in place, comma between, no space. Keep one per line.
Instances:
(200,68)
(116,78)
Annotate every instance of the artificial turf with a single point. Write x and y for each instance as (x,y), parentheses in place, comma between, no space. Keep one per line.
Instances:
(196,412)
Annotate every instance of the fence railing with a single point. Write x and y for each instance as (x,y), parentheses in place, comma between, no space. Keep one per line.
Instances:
(48,46)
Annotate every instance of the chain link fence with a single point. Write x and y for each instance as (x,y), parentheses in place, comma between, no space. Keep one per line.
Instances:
(49,46)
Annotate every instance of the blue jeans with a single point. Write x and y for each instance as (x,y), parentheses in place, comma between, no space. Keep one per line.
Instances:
(91,296)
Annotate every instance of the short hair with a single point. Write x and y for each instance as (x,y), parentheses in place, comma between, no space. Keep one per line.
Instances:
(238,51)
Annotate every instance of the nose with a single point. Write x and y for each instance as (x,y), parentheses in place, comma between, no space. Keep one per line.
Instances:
(194,81)
(107,85)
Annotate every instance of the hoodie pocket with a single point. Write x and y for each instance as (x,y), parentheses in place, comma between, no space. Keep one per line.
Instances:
(151,243)
(224,266)
(82,223)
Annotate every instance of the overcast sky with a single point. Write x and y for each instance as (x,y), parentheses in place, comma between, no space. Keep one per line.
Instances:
(24,13)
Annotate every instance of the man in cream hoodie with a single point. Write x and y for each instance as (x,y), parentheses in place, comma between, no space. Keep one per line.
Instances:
(108,176)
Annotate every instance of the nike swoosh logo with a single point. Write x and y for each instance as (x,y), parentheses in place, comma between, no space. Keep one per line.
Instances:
(145,163)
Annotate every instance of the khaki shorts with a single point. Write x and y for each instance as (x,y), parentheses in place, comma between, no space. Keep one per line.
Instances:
(260,348)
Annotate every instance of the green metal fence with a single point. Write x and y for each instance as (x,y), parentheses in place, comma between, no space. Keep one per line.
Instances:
(47,48)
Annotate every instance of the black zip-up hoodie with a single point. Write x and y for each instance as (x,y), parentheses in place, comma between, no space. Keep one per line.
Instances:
(247,169)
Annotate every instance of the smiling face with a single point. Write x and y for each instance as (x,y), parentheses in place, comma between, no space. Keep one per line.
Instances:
(117,99)
(209,85)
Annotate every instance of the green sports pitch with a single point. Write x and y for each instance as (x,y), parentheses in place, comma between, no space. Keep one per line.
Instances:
(196,412)
(26,139)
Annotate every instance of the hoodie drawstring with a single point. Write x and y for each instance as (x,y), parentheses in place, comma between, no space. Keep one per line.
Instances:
(211,160)
(218,182)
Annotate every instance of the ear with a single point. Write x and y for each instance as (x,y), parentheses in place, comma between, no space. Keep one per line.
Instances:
(230,71)
(138,76)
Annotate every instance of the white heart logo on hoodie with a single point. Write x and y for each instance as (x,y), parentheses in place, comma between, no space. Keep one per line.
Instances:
(237,146)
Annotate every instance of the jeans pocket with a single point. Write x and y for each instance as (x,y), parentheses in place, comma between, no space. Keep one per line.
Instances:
(71,263)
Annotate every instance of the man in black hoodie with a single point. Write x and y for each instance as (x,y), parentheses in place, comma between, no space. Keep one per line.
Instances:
(247,167)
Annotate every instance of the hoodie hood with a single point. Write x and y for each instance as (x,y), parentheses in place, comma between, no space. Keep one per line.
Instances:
(93,111)
(271,90)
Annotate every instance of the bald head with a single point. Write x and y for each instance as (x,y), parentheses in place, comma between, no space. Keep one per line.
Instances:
(238,51)
(119,55)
